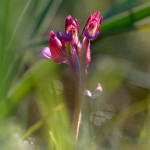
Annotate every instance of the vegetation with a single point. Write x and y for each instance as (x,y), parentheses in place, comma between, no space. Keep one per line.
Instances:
(37,96)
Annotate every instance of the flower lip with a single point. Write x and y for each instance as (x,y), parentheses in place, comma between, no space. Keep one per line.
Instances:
(45,53)
(86,33)
(92,26)
(66,37)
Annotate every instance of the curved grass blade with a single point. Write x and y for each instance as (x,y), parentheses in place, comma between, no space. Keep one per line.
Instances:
(38,73)
(19,21)
(54,139)
(126,18)
(37,125)
(140,28)
(42,16)
(52,5)
(121,6)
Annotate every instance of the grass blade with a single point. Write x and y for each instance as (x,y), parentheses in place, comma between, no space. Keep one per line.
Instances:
(126,18)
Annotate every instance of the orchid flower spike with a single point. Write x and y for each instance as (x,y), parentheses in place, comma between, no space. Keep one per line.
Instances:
(80,53)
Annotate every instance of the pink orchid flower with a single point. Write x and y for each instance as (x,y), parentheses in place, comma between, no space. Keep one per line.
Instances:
(79,59)
(57,50)
(80,53)
(91,29)
(71,35)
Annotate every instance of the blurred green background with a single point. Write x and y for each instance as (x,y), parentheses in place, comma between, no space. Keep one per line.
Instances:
(37,96)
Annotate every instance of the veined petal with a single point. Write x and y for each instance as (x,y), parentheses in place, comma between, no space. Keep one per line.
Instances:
(73,27)
(96,14)
(71,23)
(58,49)
(45,53)
(91,29)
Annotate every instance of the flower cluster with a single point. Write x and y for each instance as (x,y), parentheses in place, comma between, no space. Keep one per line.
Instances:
(80,52)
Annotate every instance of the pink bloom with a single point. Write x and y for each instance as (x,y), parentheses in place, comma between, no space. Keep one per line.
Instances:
(91,29)
(90,32)
(71,35)
(80,53)
(58,49)
(58,52)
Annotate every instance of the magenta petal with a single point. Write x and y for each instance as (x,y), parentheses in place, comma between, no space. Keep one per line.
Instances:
(96,14)
(72,30)
(85,53)
(52,34)
(88,56)
(75,20)
(71,22)
(58,49)
(92,26)
(45,53)
(100,20)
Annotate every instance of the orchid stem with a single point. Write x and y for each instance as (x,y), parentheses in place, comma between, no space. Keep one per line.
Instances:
(76,120)
(77,116)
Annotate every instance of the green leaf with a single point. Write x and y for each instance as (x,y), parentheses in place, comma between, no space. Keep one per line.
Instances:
(42,16)
(126,18)
(36,75)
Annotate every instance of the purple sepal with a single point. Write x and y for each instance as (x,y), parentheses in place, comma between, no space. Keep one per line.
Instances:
(86,33)
(45,53)
(66,37)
